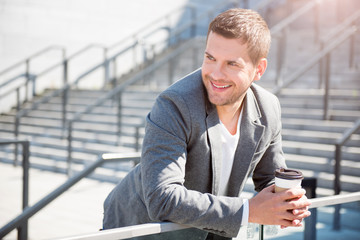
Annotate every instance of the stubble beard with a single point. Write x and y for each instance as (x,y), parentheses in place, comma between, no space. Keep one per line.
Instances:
(217,99)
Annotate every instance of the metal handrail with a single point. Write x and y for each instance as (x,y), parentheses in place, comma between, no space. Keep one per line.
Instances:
(144,229)
(27,75)
(30,211)
(278,28)
(341,27)
(314,60)
(118,89)
(152,23)
(22,228)
(172,34)
(64,90)
(65,63)
(280,31)
(26,60)
(337,167)
(331,35)
(67,86)
(156,228)
(117,92)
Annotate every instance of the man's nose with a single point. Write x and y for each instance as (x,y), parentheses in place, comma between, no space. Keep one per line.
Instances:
(218,72)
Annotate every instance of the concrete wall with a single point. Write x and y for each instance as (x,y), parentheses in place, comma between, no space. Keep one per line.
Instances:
(27,26)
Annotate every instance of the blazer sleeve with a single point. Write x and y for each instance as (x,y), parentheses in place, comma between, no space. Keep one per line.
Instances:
(273,156)
(168,130)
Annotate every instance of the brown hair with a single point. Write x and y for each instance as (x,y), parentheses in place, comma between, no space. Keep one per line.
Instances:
(247,25)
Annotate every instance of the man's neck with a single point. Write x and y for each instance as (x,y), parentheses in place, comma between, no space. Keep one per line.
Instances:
(229,116)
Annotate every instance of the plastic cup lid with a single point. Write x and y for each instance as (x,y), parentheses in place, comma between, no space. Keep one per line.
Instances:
(288,174)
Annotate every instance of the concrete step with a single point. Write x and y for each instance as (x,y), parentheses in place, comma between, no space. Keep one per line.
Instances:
(320,150)
(104,121)
(318,137)
(320,164)
(108,137)
(319,104)
(310,94)
(54,111)
(316,125)
(318,114)
(313,166)
(326,180)
(50,158)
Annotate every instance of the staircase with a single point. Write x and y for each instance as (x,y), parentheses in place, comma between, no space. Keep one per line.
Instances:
(94,135)
(308,140)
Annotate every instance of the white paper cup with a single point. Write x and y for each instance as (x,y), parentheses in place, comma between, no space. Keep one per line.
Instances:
(287,178)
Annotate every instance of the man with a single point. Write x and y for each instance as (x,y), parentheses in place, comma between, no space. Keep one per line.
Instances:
(205,135)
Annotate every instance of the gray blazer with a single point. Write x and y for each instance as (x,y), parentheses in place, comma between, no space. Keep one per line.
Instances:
(177,179)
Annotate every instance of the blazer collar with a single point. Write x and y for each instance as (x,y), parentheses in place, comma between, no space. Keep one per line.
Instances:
(251,131)
(213,127)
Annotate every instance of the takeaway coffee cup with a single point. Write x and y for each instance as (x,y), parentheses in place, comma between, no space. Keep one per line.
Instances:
(287,178)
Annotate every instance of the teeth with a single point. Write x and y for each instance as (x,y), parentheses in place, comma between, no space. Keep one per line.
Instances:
(225,86)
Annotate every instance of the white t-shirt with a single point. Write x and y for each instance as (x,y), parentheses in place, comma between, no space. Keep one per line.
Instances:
(229,144)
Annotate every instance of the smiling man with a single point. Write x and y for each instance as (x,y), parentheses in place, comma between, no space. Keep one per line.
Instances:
(205,135)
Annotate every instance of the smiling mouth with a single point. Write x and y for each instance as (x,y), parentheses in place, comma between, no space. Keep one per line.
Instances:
(220,87)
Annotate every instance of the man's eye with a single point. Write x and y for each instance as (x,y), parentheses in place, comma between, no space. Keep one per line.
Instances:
(210,57)
(233,64)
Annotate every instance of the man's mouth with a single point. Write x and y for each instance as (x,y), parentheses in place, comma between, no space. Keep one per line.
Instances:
(220,86)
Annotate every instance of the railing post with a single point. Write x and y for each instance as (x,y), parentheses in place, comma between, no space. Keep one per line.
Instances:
(27,74)
(119,110)
(351,52)
(137,136)
(106,68)
(261,232)
(136,40)
(337,185)
(33,78)
(23,230)
(316,22)
(246,3)
(281,49)
(69,158)
(195,55)
(171,71)
(327,86)
(17,123)
(114,80)
(310,184)
(65,93)
(193,20)
(321,66)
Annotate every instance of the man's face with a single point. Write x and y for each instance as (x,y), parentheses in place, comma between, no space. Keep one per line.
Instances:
(227,70)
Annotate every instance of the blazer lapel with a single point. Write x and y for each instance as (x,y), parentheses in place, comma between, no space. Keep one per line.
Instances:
(250,134)
(214,137)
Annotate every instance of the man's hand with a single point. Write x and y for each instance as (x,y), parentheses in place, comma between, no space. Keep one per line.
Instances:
(286,208)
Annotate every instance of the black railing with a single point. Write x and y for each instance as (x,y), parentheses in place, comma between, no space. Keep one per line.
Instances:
(28,77)
(280,32)
(21,220)
(23,227)
(337,168)
(128,45)
(163,227)
(316,59)
(141,230)
(147,69)
(117,91)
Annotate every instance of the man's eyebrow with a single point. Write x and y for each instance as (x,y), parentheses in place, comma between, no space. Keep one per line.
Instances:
(239,62)
(207,53)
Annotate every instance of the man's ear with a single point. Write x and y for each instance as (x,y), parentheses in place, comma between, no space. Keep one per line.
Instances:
(260,69)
